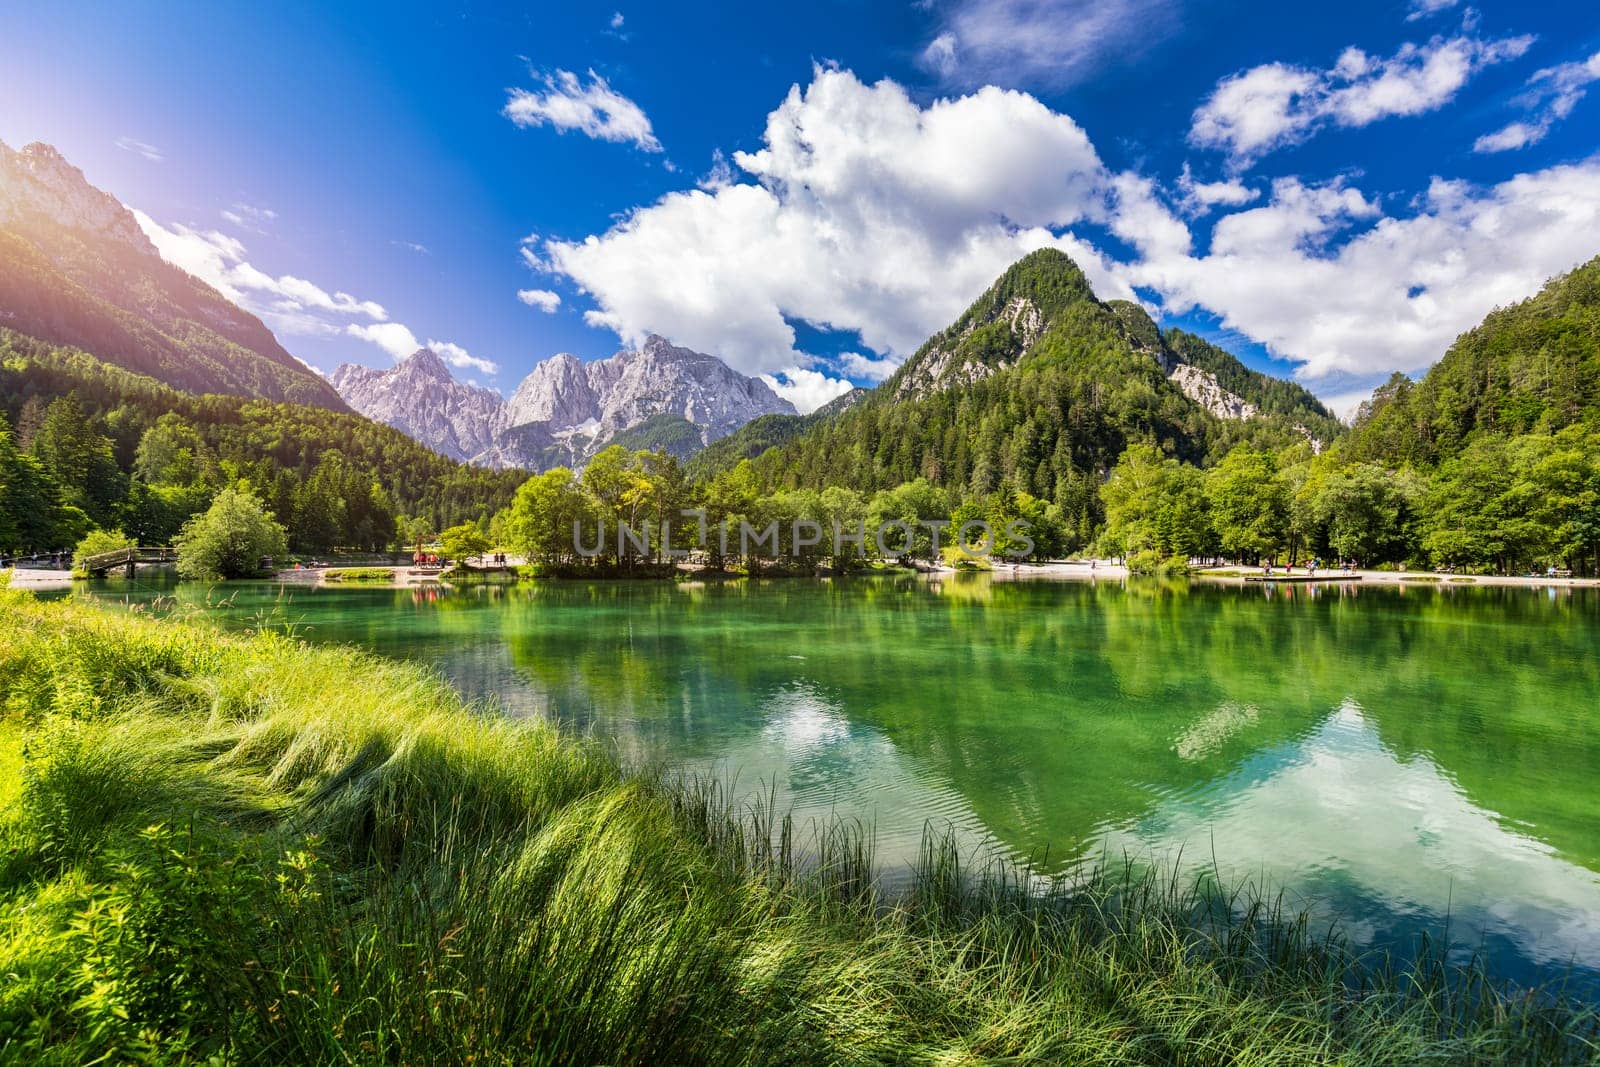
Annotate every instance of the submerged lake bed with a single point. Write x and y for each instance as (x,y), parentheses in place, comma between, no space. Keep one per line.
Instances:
(1397,760)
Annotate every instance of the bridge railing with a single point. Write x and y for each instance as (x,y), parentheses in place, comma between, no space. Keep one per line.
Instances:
(121,557)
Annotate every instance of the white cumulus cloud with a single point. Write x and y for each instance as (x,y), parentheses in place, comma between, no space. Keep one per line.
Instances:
(1550,96)
(457,356)
(1199,197)
(863,212)
(593,109)
(1321,276)
(400,342)
(867,368)
(869,213)
(806,389)
(288,304)
(392,337)
(1267,107)
(543,299)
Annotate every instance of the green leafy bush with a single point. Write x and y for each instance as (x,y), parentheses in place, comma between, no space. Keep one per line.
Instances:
(231,539)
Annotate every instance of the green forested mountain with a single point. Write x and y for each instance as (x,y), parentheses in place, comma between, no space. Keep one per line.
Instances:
(1039,387)
(666,432)
(84,443)
(1163,447)
(1489,464)
(762,433)
(1533,367)
(76,270)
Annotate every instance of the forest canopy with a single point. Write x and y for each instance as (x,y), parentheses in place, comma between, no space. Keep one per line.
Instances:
(86,445)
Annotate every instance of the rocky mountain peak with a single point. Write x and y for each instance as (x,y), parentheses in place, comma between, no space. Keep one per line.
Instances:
(39,186)
(1000,327)
(565,410)
(557,391)
(421,397)
(425,363)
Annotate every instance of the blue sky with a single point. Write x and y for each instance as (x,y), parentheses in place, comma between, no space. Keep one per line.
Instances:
(809,190)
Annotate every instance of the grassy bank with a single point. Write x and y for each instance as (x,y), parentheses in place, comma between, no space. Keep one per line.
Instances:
(370,575)
(248,848)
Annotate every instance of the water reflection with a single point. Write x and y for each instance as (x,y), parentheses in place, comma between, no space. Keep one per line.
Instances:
(1385,842)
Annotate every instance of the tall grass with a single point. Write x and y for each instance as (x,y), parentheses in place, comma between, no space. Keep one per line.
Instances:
(254,850)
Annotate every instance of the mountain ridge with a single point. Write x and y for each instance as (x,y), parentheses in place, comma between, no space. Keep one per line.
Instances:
(76,270)
(458,420)
(564,410)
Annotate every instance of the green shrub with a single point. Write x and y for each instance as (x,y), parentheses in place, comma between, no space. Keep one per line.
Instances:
(230,539)
(1145,561)
(954,555)
(461,542)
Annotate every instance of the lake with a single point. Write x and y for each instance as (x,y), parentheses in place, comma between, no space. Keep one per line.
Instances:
(1394,758)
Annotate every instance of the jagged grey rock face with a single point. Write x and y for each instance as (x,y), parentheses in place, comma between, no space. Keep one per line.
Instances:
(661,378)
(582,406)
(565,410)
(420,397)
(938,370)
(556,392)
(1202,387)
(37,182)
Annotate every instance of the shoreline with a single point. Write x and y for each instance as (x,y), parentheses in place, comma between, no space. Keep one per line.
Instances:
(1058,570)
(1236,576)
(35,579)
(1224,575)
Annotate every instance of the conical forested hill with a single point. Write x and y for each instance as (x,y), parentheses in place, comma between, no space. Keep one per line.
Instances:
(1039,386)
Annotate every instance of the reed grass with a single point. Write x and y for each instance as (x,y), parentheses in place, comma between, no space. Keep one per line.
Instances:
(247,849)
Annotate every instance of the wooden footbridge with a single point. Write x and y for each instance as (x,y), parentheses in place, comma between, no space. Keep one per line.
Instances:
(127,558)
